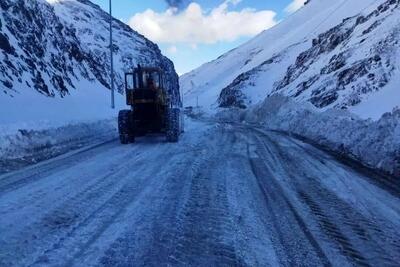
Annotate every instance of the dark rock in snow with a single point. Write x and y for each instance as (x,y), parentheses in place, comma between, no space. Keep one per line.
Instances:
(232,95)
(5,44)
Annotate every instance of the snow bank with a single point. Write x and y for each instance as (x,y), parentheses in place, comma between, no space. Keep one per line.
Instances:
(375,143)
(24,144)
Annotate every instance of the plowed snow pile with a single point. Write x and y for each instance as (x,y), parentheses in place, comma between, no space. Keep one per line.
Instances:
(24,144)
(376,143)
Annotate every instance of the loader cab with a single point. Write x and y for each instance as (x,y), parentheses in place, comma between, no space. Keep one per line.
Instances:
(143,84)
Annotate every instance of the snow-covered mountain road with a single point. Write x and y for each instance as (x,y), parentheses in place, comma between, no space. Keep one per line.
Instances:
(226,195)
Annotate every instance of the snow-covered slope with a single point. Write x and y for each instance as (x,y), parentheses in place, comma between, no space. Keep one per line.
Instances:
(341,54)
(54,60)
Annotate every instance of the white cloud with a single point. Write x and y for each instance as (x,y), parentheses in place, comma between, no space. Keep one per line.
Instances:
(194,25)
(294,6)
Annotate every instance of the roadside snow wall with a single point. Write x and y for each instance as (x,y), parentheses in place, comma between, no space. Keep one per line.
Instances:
(375,143)
(21,145)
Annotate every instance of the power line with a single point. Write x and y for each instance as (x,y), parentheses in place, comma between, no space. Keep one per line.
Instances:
(334,11)
(327,18)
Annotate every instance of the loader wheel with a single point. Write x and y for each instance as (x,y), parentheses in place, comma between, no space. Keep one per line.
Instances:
(126,127)
(173,130)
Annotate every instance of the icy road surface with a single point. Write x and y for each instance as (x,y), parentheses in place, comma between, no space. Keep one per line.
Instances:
(225,195)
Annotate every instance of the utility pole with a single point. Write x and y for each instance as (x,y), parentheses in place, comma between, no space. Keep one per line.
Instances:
(181,98)
(112,61)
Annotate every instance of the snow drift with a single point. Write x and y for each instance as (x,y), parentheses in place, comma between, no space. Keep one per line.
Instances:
(375,143)
(27,144)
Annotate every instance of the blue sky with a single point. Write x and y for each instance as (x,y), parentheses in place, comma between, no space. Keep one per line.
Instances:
(220,25)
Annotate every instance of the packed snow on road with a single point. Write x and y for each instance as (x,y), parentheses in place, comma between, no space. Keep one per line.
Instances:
(226,195)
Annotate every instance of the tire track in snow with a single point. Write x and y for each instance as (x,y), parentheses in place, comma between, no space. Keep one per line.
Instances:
(146,237)
(205,221)
(358,238)
(323,154)
(37,192)
(62,222)
(129,188)
(278,205)
(194,225)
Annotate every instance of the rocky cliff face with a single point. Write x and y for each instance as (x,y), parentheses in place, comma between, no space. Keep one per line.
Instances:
(54,47)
